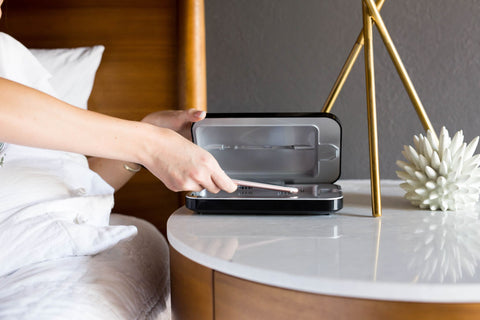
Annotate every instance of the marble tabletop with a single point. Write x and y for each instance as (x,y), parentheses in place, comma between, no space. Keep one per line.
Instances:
(405,255)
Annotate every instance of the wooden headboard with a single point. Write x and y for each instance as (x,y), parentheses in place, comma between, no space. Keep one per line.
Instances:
(154,60)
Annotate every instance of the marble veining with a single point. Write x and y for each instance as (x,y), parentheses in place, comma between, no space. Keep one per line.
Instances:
(407,254)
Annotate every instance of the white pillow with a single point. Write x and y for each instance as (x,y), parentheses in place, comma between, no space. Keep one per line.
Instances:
(73,71)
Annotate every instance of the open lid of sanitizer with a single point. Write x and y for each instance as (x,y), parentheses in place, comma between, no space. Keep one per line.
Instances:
(282,148)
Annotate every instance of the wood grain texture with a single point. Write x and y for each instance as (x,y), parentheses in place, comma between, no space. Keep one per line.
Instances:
(192,55)
(192,289)
(241,299)
(138,73)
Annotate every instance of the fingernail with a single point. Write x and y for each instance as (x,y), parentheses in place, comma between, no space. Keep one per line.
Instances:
(200,114)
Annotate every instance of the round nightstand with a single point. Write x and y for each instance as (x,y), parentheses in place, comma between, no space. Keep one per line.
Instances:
(408,264)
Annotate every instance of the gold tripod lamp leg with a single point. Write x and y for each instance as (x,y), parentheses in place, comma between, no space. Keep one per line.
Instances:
(374,11)
(347,67)
(371,114)
(402,72)
(371,15)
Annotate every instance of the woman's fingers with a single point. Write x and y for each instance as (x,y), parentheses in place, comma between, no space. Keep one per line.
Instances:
(211,187)
(194,115)
(223,182)
(176,120)
(214,180)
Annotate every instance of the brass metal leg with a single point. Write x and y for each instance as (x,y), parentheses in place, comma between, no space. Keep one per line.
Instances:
(347,67)
(372,114)
(397,61)
(371,14)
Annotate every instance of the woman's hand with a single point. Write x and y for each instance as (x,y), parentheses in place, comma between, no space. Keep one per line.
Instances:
(114,171)
(176,120)
(182,165)
(185,166)
(166,152)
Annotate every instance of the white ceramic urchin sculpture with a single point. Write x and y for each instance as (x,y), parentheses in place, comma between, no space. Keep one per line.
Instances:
(441,173)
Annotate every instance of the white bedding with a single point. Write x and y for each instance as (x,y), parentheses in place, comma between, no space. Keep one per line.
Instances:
(62,255)
(128,281)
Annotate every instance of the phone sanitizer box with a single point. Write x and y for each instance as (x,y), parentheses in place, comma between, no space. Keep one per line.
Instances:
(301,150)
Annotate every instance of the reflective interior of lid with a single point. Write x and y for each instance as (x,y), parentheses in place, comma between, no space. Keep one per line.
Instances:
(290,150)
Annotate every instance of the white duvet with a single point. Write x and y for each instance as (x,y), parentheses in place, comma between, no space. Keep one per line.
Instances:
(128,281)
(63,256)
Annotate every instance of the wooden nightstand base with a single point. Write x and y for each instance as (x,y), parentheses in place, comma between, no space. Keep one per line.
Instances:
(199,293)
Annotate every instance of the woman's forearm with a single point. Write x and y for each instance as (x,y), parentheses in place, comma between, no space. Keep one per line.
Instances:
(32,118)
(115,172)
(29,117)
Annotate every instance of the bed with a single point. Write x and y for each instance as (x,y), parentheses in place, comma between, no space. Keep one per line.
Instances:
(152,57)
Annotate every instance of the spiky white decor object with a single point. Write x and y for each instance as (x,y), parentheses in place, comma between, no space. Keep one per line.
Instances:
(441,173)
